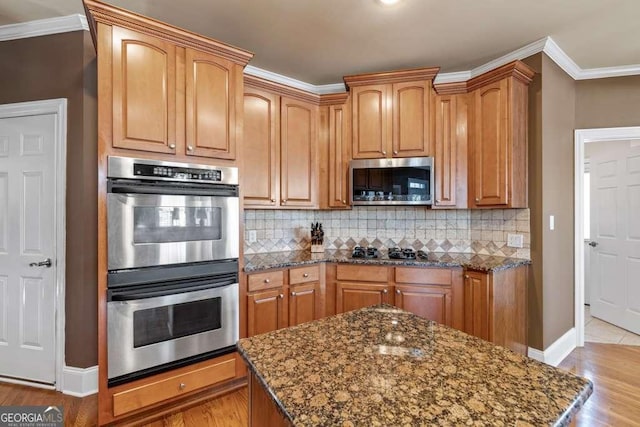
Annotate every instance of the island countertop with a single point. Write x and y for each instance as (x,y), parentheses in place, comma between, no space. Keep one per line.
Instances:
(384,366)
(484,263)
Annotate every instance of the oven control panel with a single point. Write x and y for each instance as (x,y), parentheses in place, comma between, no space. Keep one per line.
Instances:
(176,172)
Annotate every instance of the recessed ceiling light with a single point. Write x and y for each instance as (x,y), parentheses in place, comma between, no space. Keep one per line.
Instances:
(388,2)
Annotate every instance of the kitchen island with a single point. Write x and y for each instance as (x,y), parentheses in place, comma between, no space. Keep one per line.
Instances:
(384,366)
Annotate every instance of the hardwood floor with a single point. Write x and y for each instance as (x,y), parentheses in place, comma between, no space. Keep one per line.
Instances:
(615,373)
(614,370)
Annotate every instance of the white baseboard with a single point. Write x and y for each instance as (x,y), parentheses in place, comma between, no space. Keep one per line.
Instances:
(80,382)
(556,352)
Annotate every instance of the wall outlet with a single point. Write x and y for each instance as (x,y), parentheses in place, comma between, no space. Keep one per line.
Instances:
(515,240)
(253,236)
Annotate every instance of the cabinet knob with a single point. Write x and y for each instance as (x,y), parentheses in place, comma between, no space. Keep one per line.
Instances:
(182,386)
(438,200)
(466,276)
(385,291)
(284,200)
(305,275)
(273,200)
(293,294)
(477,199)
(398,291)
(395,151)
(266,280)
(281,296)
(189,148)
(172,146)
(344,202)
(384,153)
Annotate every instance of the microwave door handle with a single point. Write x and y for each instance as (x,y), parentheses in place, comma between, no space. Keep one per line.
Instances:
(161,292)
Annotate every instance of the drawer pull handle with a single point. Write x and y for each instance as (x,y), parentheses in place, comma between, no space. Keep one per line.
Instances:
(305,275)
(267,280)
(182,386)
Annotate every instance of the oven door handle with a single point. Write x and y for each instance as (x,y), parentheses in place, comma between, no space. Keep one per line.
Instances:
(129,295)
(178,189)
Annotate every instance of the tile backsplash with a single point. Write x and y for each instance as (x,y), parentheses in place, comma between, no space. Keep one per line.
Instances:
(462,230)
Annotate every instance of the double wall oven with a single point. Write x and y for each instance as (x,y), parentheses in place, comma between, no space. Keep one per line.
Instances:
(172,283)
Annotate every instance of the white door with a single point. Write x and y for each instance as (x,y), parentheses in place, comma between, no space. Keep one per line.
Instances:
(615,228)
(27,236)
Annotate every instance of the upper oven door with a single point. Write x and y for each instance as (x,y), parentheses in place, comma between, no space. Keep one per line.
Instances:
(158,229)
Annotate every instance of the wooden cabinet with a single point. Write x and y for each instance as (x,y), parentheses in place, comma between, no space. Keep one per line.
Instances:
(390,113)
(335,151)
(167,97)
(281,298)
(281,138)
(495,307)
(450,148)
(354,295)
(498,137)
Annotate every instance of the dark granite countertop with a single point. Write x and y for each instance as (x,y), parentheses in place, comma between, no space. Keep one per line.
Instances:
(385,366)
(485,263)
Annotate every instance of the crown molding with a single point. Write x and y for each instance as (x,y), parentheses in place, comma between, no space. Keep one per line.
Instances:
(564,61)
(44,27)
(288,81)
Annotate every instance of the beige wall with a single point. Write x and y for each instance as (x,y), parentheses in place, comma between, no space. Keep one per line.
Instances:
(558,124)
(63,66)
(611,102)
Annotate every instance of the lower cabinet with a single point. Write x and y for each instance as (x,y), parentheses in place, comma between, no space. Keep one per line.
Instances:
(430,302)
(495,307)
(282,298)
(354,295)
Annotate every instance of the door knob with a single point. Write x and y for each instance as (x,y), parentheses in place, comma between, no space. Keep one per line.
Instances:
(45,263)
(593,243)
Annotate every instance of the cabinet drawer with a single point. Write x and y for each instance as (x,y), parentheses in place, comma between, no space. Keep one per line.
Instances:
(172,387)
(304,275)
(427,276)
(268,280)
(366,273)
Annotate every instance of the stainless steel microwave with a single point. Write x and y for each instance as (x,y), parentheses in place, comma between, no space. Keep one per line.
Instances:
(404,181)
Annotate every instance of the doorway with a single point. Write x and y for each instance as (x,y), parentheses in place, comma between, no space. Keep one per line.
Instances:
(32,242)
(614,252)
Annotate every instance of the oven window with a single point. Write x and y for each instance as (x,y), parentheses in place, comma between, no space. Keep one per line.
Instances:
(164,224)
(169,322)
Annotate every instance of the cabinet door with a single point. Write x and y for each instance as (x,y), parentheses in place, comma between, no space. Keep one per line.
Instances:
(446,150)
(266,311)
(304,303)
(490,148)
(352,296)
(411,116)
(144,92)
(298,153)
(260,147)
(429,302)
(477,305)
(210,106)
(339,150)
(371,121)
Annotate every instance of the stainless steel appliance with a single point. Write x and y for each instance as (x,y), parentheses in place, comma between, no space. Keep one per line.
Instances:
(403,181)
(158,326)
(172,282)
(162,213)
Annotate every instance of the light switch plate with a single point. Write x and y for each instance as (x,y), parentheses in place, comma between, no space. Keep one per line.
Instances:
(515,240)
(253,237)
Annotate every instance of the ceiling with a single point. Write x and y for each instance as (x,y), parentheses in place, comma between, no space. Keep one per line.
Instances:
(320,41)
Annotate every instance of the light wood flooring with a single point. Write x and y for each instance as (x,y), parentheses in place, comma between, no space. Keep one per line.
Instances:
(614,370)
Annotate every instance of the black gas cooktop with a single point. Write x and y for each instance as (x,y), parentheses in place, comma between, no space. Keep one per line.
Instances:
(393,253)
(368,252)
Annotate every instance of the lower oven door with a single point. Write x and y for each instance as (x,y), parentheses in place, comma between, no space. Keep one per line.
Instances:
(146,333)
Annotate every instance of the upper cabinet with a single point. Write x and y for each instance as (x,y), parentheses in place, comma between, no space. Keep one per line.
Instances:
(335,150)
(450,146)
(165,90)
(391,113)
(498,137)
(280,149)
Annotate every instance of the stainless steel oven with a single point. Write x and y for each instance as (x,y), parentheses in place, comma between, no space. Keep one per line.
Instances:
(162,213)
(156,326)
(172,282)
